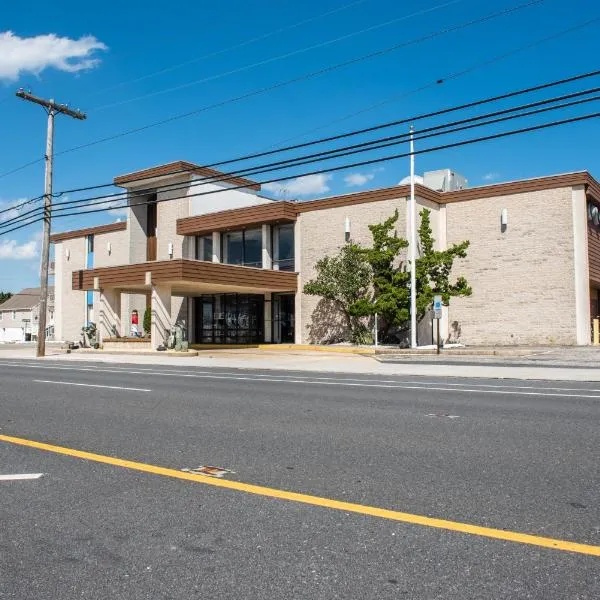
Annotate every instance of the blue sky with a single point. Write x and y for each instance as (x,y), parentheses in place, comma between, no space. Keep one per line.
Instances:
(107,63)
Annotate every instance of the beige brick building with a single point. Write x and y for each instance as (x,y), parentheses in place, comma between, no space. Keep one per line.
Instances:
(209,250)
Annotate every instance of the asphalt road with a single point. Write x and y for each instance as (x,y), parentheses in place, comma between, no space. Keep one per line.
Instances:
(519,457)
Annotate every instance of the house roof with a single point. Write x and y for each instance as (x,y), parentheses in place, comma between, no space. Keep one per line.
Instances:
(182,167)
(27,298)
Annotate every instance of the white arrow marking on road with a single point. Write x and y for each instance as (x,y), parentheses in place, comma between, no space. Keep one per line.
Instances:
(109,387)
(18,476)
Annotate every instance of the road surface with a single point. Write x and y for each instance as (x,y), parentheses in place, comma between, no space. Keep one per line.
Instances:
(336,486)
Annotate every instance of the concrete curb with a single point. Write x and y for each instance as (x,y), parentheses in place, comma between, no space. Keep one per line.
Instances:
(169,353)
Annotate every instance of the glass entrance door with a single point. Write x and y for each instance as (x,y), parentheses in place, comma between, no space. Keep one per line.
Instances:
(229,319)
(207,321)
(284,306)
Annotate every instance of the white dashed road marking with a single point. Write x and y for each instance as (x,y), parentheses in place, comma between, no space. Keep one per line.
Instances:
(19,476)
(109,387)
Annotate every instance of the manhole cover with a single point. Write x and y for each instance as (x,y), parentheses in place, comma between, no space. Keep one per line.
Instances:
(207,470)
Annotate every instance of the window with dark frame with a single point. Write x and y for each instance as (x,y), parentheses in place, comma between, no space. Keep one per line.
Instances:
(204,248)
(283,247)
(242,248)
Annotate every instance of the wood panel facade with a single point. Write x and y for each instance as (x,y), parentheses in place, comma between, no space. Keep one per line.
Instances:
(238,218)
(594,255)
(185,271)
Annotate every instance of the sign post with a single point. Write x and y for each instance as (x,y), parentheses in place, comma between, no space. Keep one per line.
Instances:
(437,315)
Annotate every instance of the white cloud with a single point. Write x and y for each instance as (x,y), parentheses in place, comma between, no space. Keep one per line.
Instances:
(12,250)
(358,179)
(34,54)
(300,186)
(491,176)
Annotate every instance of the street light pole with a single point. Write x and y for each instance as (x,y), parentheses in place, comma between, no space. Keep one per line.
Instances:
(413,245)
(52,108)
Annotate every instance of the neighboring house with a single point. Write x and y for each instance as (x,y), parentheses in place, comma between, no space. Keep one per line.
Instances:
(233,264)
(19,316)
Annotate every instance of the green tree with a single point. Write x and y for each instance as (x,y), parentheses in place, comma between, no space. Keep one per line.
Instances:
(147,320)
(343,280)
(390,297)
(434,268)
(4,296)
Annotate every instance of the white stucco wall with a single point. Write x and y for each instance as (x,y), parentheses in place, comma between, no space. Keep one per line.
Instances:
(223,198)
(70,306)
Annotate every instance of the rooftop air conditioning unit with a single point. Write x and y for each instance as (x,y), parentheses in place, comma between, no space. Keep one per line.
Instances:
(444,180)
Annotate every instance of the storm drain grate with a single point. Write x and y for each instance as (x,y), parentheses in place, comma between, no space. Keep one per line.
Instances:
(207,470)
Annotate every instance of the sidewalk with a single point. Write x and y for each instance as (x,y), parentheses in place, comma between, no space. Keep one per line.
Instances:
(552,364)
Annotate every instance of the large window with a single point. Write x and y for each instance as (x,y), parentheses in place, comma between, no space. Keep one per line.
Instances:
(283,247)
(204,248)
(242,248)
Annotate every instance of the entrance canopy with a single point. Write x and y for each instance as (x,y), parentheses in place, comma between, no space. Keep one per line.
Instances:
(186,276)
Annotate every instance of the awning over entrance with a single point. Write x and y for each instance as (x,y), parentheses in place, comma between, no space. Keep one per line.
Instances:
(184,276)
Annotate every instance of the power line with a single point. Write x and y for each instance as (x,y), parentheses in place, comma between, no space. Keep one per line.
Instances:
(19,206)
(346,150)
(403,121)
(230,48)
(464,124)
(357,164)
(412,119)
(287,82)
(443,79)
(123,195)
(278,57)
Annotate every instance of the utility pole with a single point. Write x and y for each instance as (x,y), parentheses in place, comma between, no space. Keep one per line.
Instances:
(413,245)
(52,108)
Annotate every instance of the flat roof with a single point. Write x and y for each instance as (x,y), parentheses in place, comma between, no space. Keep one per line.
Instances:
(183,167)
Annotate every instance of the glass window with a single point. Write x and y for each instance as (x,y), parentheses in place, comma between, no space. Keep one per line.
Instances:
(14,315)
(243,248)
(253,248)
(89,258)
(283,247)
(1,316)
(233,248)
(204,248)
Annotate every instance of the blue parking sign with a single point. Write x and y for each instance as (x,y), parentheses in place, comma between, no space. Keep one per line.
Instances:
(437,307)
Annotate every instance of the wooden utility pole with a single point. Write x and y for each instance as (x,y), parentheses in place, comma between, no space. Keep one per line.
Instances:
(52,108)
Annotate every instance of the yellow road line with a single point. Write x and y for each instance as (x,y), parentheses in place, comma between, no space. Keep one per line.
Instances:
(392,515)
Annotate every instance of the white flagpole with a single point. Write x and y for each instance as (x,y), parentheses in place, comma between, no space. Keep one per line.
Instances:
(413,245)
